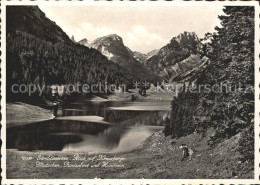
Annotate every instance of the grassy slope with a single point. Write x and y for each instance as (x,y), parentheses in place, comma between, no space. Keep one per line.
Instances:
(156,158)
(22,113)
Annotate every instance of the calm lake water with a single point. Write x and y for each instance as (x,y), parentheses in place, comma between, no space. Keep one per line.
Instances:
(86,126)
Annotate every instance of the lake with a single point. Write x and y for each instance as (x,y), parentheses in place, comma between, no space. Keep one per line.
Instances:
(92,126)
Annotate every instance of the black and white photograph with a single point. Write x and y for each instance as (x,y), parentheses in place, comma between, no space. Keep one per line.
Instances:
(130,90)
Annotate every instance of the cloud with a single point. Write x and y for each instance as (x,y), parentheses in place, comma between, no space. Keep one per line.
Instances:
(143,39)
(138,37)
(142,28)
(92,32)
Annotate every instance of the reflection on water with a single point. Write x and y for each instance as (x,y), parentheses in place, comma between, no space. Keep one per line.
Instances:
(113,139)
(50,135)
(103,141)
(130,127)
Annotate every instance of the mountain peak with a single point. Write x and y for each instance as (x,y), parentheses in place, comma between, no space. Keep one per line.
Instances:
(186,36)
(177,57)
(113,37)
(186,39)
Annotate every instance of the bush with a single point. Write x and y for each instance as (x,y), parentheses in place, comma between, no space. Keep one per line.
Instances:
(167,127)
(246,145)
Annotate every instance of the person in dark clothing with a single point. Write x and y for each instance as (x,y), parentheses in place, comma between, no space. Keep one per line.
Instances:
(133,98)
(55,109)
(186,152)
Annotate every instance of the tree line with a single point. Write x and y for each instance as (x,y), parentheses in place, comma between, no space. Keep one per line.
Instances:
(231,52)
(31,60)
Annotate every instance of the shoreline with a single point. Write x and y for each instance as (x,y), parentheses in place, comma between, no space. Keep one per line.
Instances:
(151,94)
(19,113)
(155,158)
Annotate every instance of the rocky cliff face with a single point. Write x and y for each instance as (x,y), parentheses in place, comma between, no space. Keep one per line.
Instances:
(140,56)
(177,57)
(113,48)
(152,53)
(188,40)
(144,57)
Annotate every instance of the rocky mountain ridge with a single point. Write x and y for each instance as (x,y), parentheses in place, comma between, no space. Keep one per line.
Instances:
(112,46)
(141,57)
(169,62)
(174,60)
(39,52)
(32,20)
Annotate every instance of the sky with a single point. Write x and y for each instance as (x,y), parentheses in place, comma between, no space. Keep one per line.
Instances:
(142,28)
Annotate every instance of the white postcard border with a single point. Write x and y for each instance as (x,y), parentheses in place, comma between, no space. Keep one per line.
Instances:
(128,181)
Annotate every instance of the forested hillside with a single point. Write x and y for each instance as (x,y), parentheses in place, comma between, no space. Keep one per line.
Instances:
(231,52)
(32,20)
(33,60)
(39,52)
